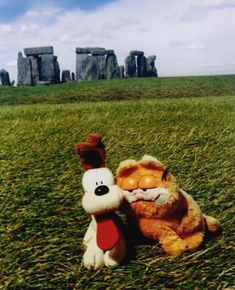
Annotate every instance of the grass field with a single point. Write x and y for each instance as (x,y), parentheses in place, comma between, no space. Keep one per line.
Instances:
(42,222)
(127,89)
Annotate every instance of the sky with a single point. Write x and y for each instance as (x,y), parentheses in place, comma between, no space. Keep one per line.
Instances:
(189,37)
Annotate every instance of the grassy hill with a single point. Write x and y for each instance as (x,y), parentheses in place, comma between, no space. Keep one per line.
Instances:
(42,223)
(103,90)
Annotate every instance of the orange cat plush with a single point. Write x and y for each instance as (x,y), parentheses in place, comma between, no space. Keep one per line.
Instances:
(162,211)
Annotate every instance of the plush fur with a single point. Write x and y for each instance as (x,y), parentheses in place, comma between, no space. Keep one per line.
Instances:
(91,152)
(95,204)
(101,198)
(162,211)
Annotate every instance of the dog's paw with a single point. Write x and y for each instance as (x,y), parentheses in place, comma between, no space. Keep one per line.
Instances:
(109,261)
(93,259)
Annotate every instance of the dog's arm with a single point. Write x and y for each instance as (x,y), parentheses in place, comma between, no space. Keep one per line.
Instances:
(90,233)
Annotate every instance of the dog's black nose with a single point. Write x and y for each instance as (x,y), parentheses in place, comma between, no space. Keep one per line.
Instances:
(101,190)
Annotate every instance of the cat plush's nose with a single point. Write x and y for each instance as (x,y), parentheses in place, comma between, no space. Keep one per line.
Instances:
(139,195)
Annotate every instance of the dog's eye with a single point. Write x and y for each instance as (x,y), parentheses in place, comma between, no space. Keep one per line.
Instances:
(96,183)
(130,190)
(101,182)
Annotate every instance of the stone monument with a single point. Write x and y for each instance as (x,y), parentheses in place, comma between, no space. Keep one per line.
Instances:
(94,63)
(137,65)
(40,66)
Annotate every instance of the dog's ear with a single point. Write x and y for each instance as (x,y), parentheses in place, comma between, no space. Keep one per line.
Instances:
(91,152)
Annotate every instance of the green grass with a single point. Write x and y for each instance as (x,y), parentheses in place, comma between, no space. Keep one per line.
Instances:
(42,223)
(104,90)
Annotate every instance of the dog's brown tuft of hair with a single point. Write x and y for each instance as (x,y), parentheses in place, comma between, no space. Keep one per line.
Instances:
(91,152)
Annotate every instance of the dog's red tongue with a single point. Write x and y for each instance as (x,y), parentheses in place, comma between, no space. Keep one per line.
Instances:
(107,234)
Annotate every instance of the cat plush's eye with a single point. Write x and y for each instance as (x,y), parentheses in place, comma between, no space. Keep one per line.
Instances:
(148,181)
(130,191)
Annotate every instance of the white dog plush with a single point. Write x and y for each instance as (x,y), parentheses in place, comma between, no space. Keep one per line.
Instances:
(104,239)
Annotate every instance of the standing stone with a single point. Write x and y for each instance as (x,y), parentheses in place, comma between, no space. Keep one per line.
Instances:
(101,61)
(81,65)
(141,66)
(66,77)
(121,70)
(35,69)
(4,77)
(47,68)
(24,71)
(111,67)
(109,51)
(87,67)
(151,69)
(92,68)
(57,70)
(130,66)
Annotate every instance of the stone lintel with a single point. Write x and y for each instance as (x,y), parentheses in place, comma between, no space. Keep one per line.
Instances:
(136,52)
(34,51)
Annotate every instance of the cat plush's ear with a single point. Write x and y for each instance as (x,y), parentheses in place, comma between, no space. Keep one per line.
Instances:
(91,152)
(151,162)
(126,167)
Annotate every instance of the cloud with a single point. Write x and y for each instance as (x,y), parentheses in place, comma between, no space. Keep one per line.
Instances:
(5,28)
(189,47)
(193,47)
(156,27)
(12,63)
(2,48)
(211,64)
(216,64)
(201,9)
(29,29)
(218,4)
(42,13)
